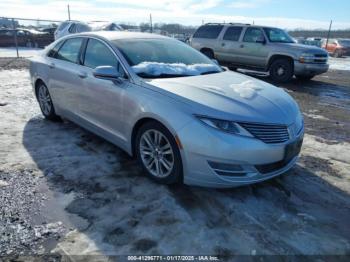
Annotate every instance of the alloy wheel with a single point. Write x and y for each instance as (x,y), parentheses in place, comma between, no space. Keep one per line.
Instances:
(156,153)
(44,100)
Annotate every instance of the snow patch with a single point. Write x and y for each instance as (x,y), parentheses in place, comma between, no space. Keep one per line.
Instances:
(157,69)
(246,89)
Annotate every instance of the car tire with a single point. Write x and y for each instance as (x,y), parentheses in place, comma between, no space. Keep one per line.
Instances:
(337,54)
(232,68)
(45,102)
(281,70)
(207,52)
(304,77)
(158,154)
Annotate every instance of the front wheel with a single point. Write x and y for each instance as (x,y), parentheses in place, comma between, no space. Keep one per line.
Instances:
(158,153)
(281,70)
(45,102)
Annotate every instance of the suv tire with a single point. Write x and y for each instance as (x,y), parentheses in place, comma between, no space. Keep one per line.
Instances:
(281,70)
(208,52)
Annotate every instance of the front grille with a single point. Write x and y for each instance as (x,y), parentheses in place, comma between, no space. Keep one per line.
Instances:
(321,58)
(270,134)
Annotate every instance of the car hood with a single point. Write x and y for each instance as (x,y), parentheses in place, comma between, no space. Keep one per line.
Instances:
(302,48)
(232,96)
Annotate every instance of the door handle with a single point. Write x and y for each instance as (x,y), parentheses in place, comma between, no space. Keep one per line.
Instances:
(222,44)
(82,74)
(241,46)
(52,65)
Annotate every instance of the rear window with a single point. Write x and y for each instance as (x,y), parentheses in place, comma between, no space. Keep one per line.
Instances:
(208,31)
(233,33)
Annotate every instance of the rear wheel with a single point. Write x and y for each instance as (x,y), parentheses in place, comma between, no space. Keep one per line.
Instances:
(281,70)
(208,52)
(337,53)
(158,153)
(45,102)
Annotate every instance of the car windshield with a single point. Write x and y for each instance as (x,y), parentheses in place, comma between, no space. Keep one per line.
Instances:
(344,43)
(277,35)
(154,58)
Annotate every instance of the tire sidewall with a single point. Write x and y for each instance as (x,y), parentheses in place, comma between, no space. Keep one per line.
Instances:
(52,115)
(176,174)
(288,68)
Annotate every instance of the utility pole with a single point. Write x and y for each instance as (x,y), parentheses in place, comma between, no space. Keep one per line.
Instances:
(150,22)
(15,35)
(68,12)
(329,32)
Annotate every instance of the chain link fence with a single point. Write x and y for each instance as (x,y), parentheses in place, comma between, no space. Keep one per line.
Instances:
(20,37)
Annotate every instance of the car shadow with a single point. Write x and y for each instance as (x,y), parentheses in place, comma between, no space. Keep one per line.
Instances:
(127,213)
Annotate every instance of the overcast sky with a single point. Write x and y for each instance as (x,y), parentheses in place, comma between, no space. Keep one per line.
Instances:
(308,14)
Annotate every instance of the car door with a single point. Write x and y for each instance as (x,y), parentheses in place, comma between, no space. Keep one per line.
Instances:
(65,76)
(229,45)
(253,50)
(101,101)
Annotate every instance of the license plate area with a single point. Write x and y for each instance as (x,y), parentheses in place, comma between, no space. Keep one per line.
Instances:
(292,150)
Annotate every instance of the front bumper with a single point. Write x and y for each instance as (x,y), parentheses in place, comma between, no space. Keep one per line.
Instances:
(203,146)
(309,69)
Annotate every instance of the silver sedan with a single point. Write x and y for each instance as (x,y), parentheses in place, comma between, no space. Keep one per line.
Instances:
(181,115)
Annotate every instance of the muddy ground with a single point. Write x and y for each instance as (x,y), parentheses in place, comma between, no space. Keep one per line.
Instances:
(66,191)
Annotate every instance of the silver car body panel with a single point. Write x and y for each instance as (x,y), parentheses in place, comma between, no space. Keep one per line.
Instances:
(112,109)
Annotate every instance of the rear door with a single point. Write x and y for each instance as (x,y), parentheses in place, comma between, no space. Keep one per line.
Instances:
(228,46)
(252,52)
(207,37)
(66,76)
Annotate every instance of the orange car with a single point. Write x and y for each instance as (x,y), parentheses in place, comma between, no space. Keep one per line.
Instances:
(337,47)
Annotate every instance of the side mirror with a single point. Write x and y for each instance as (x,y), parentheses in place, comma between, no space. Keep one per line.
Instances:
(107,72)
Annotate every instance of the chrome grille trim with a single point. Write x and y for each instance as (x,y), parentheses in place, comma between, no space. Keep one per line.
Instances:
(269,134)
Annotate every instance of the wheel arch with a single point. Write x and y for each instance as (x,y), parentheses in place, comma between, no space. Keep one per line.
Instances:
(139,123)
(280,56)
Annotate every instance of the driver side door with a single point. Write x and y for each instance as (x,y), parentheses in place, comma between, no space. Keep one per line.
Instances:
(253,50)
(101,103)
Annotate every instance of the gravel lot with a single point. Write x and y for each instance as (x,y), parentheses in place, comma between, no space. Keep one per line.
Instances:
(62,189)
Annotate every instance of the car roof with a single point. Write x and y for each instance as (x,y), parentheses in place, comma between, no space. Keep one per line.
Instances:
(240,24)
(115,35)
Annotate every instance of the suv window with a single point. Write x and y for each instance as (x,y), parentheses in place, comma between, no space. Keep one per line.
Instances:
(252,34)
(208,31)
(70,50)
(82,28)
(233,33)
(71,29)
(98,54)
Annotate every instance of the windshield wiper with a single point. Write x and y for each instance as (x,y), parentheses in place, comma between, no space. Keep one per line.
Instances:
(210,72)
(144,75)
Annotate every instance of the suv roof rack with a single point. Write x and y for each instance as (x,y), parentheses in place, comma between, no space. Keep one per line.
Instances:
(226,24)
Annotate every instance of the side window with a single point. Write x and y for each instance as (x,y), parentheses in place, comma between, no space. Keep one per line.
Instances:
(70,50)
(208,31)
(82,28)
(54,50)
(72,28)
(98,54)
(253,34)
(233,33)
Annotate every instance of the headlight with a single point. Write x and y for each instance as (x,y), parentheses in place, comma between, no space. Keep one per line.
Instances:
(224,125)
(306,58)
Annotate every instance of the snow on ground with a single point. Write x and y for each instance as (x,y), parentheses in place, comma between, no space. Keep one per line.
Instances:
(108,206)
(342,63)
(22,51)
